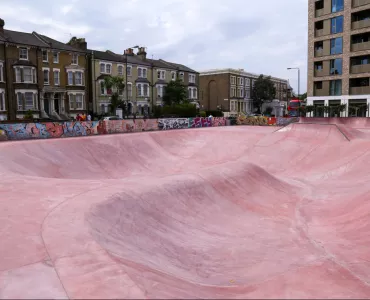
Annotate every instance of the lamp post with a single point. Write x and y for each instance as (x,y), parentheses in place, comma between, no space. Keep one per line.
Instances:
(299,76)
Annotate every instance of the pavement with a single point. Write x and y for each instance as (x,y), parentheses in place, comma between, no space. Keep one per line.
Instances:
(228,212)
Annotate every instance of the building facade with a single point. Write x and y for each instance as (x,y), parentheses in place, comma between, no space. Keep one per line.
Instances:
(35,76)
(231,90)
(339,56)
(145,79)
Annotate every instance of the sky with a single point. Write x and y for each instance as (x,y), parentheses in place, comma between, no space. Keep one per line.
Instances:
(263,37)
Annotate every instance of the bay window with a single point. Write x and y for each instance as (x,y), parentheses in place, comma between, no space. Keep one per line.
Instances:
(70,78)
(142,90)
(192,93)
(75,77)
(26,100)
(25,75)
(78,78)
(76,101)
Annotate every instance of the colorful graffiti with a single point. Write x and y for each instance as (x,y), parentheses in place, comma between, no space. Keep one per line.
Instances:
(166,124)
(286,121)
(255,121)
(23,131)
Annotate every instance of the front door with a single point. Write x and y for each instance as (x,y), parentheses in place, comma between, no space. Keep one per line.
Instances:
(46,104)
(56,103)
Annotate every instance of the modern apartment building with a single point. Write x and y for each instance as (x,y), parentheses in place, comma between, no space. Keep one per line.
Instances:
(40,75)
(145,79)
(339,55)
(231,90)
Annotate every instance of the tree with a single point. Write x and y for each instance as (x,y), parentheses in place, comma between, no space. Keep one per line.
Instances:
(303,97)
(175,93)
(263,91)
(115,86)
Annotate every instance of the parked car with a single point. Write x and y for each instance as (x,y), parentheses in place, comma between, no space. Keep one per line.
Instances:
(111,118)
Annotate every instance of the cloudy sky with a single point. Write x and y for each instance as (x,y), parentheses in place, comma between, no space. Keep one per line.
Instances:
(259,36)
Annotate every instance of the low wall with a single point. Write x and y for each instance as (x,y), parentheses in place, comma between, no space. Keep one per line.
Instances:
(266,121)
(25,131)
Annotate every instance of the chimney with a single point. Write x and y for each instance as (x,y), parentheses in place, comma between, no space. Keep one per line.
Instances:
(142,53)
(78,43)
(2,24)
(129,51)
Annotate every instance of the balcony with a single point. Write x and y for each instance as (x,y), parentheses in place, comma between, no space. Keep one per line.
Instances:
(319,52)
(360,46)
(361,90)
(356,69)
(321,92)
(319,13)
(319,32)
(356,3)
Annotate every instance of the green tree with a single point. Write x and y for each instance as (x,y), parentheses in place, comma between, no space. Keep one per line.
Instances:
(303,97)
(175,93)
(263,91)
(115,86)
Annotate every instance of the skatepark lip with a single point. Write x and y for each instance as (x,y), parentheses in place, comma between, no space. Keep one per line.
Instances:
(233,212)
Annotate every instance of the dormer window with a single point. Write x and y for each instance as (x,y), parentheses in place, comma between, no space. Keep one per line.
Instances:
(23,53)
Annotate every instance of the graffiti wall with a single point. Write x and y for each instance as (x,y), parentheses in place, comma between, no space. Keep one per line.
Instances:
(285,121)
(23,131)
(255,121)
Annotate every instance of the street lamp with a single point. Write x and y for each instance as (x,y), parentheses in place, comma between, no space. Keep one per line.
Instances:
(298,78)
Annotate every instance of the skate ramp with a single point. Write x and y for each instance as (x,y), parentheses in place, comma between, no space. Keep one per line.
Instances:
(232,212)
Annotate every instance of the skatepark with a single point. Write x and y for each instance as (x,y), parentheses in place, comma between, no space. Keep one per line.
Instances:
(225,212)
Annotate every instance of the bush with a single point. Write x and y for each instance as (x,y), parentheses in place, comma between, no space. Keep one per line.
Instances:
(203,114)
(215,113)
(157,111)
(180,110)
(268,110)
(28,115)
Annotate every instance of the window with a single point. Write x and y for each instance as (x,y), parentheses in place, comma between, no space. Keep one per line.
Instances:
(161,74)
(141,72)
(241,92)
(337,24)
(120,70)
(105,68)
(173,75)
(242,81)
(129,70)
(70,78)
(103,90)
(45,57)
(27,75)
(79,101)
(336,66)
(194,93)
(182,76)
(335,87)
(337,5)
(247,94)
(78,78)
(76,101)
(55,57)
(336,46)
(46,76)
(139,90)
(26,100)
(129,89)
(146,90)
(191,78)
(232,78)
(160,90)
(1,72)
(74,59)
(232,92)
(247,82)
(23,53)
(56,77)
(2,101)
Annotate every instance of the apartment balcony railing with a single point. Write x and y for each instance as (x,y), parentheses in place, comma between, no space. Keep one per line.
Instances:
(322,72)
(361,24)
(319,53)
(319,12)
(357,3)
(360,69)
(361,46)
(361,90)
(319,32)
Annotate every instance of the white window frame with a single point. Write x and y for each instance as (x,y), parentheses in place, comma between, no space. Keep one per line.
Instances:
(74,59)
(23,104)
(70,82)
(247,82)
(33,74)
(20,53)
(192,93)
(242,81)
(105,67)
(56,61)
(192,78)
(73,98)
(82,78)
(241,92)
(160,90)
(102,88)
(247,93)
(173,75)
(129,91)
(2,100)
(162,74)
(56,71)
(232,79)
(47,55)
(43,73)
(142,72)
(140,89)
(118,68)
(129,70)
(232,92)
(2,72)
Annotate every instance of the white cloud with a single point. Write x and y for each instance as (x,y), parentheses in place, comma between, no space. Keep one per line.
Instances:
(261,37)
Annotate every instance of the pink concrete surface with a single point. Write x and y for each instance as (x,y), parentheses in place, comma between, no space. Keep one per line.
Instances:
(231,212)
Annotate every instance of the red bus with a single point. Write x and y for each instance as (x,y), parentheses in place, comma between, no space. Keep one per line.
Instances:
(293,108)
